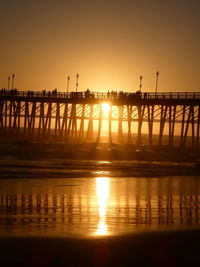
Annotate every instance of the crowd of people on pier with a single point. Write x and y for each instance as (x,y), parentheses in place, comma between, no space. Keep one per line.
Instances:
(113,95)
(11,92)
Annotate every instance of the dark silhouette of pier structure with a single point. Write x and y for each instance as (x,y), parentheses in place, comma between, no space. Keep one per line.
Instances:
(71,116)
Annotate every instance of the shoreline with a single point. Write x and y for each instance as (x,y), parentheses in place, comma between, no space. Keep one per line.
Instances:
(75,168)
(25,159)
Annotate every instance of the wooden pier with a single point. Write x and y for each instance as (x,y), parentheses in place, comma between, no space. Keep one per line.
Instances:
(78,116)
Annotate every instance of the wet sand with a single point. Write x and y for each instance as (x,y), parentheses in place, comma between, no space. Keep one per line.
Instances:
(171,248)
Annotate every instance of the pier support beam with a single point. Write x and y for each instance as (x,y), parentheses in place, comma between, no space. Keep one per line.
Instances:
(129,114)
(198,126)
(41,120)
(172,120)
(26,118)
(100,124)
(110,125)
(81,130)
(141,110)
(1,113)
(64,122)
(57,121)
(187,125)
(72,127)
(31,123)
(89,137)
(150,111)
(182,125)
(120,139)
(163,114)
(48,119)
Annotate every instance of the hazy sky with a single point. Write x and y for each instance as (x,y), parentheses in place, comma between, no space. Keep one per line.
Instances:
(110,43)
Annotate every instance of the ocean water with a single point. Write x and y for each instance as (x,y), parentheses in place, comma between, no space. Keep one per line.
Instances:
(58,198)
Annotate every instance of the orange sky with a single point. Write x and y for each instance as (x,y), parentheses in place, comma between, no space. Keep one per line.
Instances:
(110,43)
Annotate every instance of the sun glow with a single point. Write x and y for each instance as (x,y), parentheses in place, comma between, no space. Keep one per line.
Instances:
(106,107)
(102,191)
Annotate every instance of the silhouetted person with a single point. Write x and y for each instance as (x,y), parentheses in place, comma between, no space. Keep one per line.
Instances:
(87,93)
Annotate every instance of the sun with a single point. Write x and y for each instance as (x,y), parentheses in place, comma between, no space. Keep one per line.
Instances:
(105,107)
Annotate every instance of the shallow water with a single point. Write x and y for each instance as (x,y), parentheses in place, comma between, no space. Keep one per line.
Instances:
(98,205)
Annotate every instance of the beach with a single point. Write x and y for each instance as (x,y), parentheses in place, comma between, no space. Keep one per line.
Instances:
(57,211)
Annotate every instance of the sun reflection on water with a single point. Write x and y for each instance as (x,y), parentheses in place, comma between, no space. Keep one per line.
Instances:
(102,192)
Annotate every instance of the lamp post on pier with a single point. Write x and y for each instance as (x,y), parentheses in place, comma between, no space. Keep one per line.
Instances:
(77,76)
(8,82)
(68,79)
(140,83)
(157,75)
(13,79)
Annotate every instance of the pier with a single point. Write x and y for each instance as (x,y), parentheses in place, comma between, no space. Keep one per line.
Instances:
(78,117)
